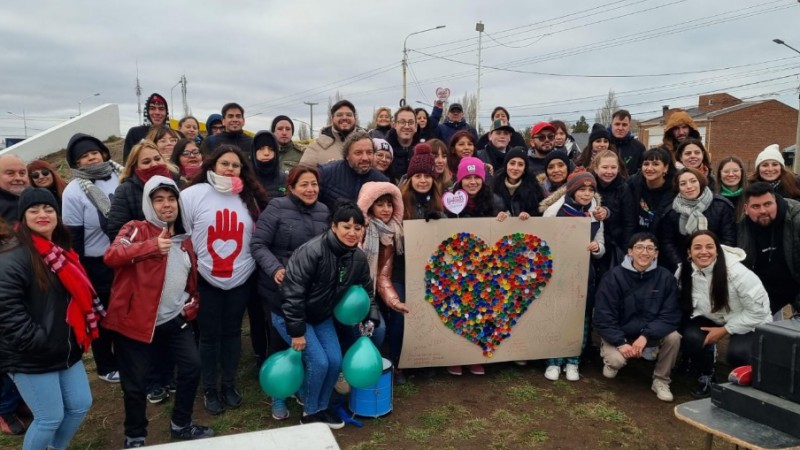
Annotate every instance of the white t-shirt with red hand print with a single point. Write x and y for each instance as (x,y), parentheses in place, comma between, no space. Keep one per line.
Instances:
(221,232)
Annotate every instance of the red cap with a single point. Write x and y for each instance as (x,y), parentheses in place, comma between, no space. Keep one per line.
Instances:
(541,126)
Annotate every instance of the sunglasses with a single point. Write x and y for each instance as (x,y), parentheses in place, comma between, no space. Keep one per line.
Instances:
(38,173)
(545,137)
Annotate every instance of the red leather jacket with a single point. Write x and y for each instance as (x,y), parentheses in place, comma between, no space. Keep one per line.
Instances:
(139,271)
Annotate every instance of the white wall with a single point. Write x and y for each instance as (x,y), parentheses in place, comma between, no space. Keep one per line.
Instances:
(100,122)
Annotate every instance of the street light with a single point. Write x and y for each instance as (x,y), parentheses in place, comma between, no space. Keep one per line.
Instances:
(796,165)
(84,98)
(24,121)
(425,104)
(405,59)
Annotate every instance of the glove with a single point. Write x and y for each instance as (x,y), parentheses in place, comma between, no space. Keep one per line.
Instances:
(742,375)
(191,308)
(432,215)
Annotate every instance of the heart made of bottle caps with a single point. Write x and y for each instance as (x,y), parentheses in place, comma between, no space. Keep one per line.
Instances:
(480,292)
(455,202)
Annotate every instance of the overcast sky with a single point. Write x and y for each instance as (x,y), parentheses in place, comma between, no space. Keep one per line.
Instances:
(273,56)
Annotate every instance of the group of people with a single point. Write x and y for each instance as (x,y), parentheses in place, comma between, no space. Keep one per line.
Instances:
(152,264)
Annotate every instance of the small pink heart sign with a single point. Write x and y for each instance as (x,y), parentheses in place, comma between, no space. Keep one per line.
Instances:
(442,93)
(455,202)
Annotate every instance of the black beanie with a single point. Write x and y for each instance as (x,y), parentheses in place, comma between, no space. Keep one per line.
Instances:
(35,196)
(598,131)
(341,103)
(556,154)
(278,119)
(83,146)
(516,152)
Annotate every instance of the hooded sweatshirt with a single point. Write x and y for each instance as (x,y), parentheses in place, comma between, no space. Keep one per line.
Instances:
(269,173)
(675,120)
(173,295)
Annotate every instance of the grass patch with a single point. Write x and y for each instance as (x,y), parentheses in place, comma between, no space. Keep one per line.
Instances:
(375,442)
(564,386)
(607,396)
(503,416)
(469,429)
(600,411)
(507,375)
(405,390)
(523,393)
(418,434)
(536,437)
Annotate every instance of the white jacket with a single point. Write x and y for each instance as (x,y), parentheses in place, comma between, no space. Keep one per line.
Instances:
(748,303)
(550,206)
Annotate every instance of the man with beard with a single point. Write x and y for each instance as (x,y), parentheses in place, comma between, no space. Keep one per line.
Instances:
(13,180)
(543,136)
(629,148)
(233,121)
(328,146)
(678,127)
(402,137)
(289,153)
(344,178)
(156,114)
(770,236)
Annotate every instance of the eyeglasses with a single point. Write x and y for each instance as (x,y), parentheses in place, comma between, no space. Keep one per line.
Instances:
(38,173)
(406,123)
(644,248)
(190,153)
(545,137)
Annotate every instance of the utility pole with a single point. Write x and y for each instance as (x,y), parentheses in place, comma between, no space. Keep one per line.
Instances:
(403,100)
(138,96)
(796,164)
(183,93)
(311,115)
(479,29)
(24,121)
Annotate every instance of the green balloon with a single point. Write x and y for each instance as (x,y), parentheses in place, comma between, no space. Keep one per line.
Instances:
(353,307)
(362,365)
(282,373)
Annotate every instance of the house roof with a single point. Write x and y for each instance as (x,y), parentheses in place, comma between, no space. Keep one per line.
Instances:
(699,115)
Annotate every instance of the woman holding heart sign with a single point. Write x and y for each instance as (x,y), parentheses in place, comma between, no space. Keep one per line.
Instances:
(472,197)
(223,207)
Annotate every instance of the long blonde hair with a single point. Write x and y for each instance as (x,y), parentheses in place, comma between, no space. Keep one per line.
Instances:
(133,159)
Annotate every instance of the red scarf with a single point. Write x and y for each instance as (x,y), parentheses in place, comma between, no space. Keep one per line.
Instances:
(84,309)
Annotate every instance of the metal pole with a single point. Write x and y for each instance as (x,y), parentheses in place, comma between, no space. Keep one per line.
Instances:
(403,101)
(84,98)
(479,29)
(796,164)
(311,115)
(25,123)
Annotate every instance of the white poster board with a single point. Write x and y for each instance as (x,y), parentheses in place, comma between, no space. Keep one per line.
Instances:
(552,324)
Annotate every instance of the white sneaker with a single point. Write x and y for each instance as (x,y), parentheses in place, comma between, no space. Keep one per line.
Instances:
(572,372)
(661,388)
(111,377)
(609,372)
(552,373)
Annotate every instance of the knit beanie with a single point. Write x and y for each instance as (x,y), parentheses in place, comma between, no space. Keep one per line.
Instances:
(35,196)
(516,152)
(579,179)
(383,145)
(772,152)
(423,161)
(556,154)
(278,119)
(341,103)
(598,131)
(470,166)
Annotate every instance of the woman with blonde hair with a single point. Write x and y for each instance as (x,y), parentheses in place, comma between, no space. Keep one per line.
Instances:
(383,123)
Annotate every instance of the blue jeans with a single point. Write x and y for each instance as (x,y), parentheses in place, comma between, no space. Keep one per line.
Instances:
(59,401)
(220,320)
(322,359)
(395,321)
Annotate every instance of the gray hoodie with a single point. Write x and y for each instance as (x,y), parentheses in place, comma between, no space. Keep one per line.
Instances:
(173,296)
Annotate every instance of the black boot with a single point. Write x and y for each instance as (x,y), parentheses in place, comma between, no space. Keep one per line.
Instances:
(703,389)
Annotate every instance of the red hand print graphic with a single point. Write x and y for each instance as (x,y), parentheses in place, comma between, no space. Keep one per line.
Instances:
(225,243)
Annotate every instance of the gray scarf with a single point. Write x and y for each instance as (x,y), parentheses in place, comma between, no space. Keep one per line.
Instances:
(379,233)
(691,212)
(86,177)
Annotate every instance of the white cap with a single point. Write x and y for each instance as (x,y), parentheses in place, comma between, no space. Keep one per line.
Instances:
(772,152)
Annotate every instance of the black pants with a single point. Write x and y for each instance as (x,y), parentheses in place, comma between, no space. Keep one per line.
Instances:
(101,277)
(136,360)
(258,326)
(739,347)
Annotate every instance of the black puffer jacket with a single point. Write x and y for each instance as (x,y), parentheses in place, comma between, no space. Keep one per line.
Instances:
(642,195)
(526,198)
(401,156)
(621,222)
(286,224)
(630,150)
(338,180)
(317,275)
(126,205)
(34,334)
(672,244)
(8,206)
(629,304)
(237,138)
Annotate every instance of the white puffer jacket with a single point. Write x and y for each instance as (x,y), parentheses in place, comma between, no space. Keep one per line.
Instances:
(748,303)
